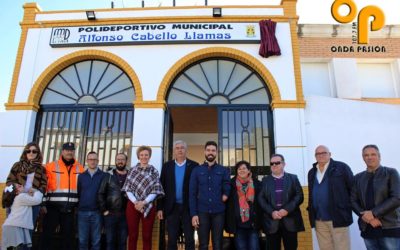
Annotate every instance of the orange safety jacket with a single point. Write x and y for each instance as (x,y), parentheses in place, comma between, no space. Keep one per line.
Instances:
(62,185)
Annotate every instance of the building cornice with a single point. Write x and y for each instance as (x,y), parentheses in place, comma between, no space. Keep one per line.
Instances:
(343,31)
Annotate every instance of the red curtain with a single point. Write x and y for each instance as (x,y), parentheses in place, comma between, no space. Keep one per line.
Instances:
(269,45)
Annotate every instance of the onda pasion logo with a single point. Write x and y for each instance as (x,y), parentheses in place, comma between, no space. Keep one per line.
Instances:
(362,26)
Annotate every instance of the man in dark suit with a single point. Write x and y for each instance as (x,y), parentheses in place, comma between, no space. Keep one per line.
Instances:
(280,198)
(174,206)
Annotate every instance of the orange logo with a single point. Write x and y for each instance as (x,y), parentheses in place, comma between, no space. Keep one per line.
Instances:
(362,20)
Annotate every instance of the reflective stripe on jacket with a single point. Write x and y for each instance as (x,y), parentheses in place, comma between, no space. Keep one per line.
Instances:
(62,184)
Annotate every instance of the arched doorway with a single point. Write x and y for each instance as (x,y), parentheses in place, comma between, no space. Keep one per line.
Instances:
(224,100)
(90,104)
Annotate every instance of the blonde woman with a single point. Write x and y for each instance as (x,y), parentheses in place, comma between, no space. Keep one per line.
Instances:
(142,187)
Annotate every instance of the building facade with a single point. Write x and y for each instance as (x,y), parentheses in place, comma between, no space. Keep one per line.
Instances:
(132,77)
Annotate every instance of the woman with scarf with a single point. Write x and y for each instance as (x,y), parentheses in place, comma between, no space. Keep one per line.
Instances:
(30,173)
(243,215)
(143,187)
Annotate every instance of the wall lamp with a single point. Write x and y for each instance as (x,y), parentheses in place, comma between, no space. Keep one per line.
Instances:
(217,12)
(91,16)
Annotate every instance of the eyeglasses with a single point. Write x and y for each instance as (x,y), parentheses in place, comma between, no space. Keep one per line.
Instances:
(31,151)
(92,159)
(321,153)
(276,163)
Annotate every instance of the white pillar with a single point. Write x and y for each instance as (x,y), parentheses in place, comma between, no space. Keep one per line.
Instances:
(290,140)
(148,129)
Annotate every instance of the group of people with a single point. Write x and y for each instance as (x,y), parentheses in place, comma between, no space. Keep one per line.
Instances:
(190,197)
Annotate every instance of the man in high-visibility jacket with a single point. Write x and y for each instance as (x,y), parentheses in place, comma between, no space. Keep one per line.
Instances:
(61,198)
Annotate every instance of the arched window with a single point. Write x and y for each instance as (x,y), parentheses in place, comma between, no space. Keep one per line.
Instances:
(89,103)
(225,100)
(218,81)
(89,82)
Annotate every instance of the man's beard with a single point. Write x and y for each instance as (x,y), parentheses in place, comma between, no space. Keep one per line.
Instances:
(121,167)
(210,158)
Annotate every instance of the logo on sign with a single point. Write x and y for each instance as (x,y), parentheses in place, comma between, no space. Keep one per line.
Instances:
(362,18)
(60,35)
(250,31)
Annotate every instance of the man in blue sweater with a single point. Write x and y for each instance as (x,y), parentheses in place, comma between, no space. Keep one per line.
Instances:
(89,216)
(329,209)
(209,188)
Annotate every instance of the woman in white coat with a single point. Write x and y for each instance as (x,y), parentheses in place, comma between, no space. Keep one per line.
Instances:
(18,223)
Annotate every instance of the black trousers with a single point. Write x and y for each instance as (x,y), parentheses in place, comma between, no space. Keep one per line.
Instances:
(51,220)
(180,218)
(215,223)
(289,239)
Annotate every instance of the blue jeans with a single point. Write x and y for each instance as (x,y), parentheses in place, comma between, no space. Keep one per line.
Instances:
(246,239)
(89,226)
(385,243)
(215,223)
(116,231)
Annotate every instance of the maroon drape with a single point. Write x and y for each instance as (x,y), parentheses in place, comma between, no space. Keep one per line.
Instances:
(269,45)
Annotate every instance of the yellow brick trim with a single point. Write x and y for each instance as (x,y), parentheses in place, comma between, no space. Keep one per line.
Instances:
(395,101)
(305,240)
(150,104)
(22,106)
(296,60)
(301,104)
(219,52)
(2,210)
(290,11)
(30,11)
(289,7)
(63,62)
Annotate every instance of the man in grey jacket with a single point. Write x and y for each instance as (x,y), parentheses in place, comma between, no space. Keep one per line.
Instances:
(375,199)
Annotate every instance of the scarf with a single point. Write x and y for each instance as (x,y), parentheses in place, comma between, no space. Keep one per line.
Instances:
(20,170)
(142,182)
(246,195)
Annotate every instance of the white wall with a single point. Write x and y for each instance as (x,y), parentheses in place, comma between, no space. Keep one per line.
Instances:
(147,59)
(378,80)
(16,130)
(317,79)
(345,126)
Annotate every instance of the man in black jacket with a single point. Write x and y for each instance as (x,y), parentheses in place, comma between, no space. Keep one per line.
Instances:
(112,202)
(329,209)
(174,206)
(376,200)
(280,198)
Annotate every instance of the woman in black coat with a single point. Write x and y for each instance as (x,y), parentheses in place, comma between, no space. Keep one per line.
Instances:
(243,214)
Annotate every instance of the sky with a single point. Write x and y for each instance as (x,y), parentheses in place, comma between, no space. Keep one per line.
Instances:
(11,11)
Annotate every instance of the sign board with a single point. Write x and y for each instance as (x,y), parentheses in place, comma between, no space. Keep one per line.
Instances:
(172,33)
